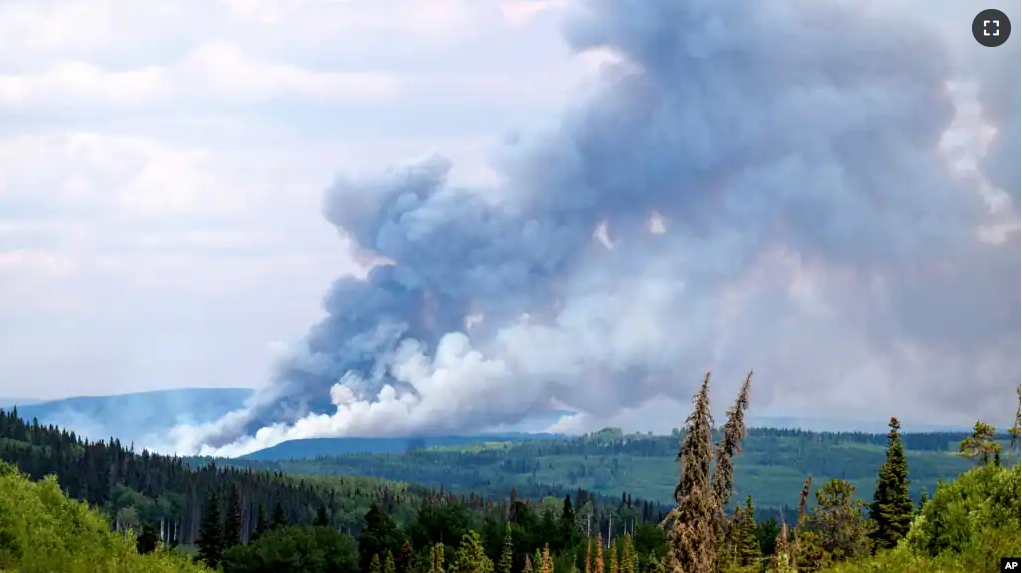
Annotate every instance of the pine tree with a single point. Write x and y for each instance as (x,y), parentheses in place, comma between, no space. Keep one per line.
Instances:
(589,555)
(923,498)
(612,557)
(598,566)
(527,568)
(438,558)
(322,519)
(627,564)
(471,558)
(548,564)
(388,563)
(537,561)
(655,563)
(980,446)
(210,541)
(262,525)
(507,554)
(892,507)
(278,519)
(691,539)
(567,520)
(232,519)
(374,564)
(747,546)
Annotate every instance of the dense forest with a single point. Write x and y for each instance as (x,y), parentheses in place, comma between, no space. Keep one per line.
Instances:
(772,466)
(244,520)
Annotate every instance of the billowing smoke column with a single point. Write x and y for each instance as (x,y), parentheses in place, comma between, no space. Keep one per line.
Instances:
(755,184)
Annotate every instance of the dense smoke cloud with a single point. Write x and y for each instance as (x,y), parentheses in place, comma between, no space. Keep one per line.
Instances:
(754,184)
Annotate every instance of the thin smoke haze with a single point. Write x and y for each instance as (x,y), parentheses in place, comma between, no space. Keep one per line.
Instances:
(792,186)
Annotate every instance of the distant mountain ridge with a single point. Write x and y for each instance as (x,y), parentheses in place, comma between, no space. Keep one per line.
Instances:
(145,418)
(137,417)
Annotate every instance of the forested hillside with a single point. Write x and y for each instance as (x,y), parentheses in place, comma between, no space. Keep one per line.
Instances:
(136,488)
(772,467)
(967,525)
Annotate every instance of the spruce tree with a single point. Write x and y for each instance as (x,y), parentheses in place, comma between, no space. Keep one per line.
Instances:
(507,554)
(232,519)
(374,564)
(278,519)
(388,563)
(612,557)
(892,507)
(471,558)
(527,568)
(262,525)
(981,445)
(747,546)
(691,540)
(322,518)
(210,541)
(627,556)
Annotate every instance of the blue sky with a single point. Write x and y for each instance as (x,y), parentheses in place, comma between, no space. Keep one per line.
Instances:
(163,166)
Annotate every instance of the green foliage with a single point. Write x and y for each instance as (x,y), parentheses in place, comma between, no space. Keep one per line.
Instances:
(211,535)
(294,548)
(836,530)
(232,518)
(892,507)
(507,553)
(43,531)
(961,512)
(379,535)
(470,557)
(981,446)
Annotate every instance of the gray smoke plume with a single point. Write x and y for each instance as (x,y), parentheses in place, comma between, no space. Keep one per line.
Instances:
(765,184)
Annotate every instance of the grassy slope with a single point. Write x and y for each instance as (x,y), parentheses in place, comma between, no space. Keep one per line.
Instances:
(42,531)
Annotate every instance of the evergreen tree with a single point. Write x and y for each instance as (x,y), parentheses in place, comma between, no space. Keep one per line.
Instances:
(471,558)
(567,520)
(627,564)
(262,525)
(438,559)
(655,563)
(232,519)
(980,446)
(923,498)
(892,508)
(837,522)
(747,545)
(691,539)
(278,519)
(388,563)
(210,541)
(148,540)
(379,535)
(374,564)
(598,565)
(548,564)
(527,568)
(507,554)
(612,557)
(322,519)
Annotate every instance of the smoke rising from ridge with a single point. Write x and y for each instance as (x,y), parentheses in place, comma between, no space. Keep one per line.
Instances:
(752,185)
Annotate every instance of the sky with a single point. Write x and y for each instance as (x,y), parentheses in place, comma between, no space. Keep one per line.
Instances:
(165,169)
(161,167)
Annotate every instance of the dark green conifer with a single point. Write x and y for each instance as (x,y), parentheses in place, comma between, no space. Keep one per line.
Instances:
(210,541)
(232,518)
(892,508)
(278,519)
